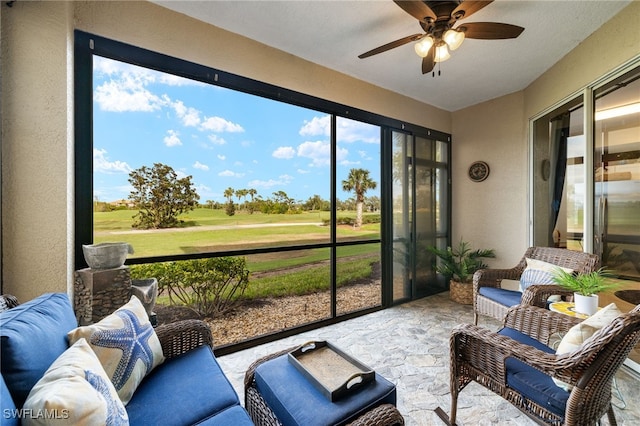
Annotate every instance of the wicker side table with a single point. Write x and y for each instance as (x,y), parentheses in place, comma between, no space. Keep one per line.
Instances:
(263,415)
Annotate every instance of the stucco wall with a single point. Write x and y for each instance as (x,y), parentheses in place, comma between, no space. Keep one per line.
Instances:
(492,213)
(37,113)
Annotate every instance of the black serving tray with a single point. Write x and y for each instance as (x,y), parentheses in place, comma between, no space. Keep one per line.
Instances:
(330,370)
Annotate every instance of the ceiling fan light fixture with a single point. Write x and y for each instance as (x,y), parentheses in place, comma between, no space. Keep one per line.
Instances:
(453,38)
(423,46)
(442,53)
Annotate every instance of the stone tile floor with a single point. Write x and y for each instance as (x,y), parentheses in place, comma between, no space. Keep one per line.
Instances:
(409,345)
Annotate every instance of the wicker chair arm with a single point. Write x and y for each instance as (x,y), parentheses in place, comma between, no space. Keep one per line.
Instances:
(538,294)
(538,323)
(493,277)
(182,336)
(487,351)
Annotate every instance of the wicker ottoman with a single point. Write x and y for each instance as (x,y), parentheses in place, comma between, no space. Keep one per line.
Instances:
(299,403)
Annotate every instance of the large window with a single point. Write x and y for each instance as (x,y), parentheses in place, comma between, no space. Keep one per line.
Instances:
(185,162)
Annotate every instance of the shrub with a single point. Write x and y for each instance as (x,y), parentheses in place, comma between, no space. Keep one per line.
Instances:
(208,286)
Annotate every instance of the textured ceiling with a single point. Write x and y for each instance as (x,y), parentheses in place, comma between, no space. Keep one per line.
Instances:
(333,34)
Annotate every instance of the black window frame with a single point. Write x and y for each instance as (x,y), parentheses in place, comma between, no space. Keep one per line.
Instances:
(87,45)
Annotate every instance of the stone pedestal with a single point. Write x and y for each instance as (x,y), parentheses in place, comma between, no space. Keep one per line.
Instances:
(97,293)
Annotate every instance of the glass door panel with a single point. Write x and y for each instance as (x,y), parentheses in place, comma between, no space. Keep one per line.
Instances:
(402,205)
(617,175)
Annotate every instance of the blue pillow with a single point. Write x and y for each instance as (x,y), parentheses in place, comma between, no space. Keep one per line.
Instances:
(32,336)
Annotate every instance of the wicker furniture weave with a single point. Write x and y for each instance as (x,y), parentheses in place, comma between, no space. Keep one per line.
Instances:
(478,354)
(536,295)
(262,415)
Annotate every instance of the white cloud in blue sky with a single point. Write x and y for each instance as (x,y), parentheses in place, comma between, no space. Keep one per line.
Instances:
(221,137)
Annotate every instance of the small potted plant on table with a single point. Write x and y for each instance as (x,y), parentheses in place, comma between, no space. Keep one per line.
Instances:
(585,287)
(458,266)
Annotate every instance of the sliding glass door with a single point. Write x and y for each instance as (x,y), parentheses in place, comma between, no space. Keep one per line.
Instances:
(420,212)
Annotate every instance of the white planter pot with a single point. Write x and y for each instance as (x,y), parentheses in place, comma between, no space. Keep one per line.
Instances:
(587,305)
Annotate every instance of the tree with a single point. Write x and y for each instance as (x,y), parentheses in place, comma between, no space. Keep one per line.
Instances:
(160,196)
(359,182)
(228,193)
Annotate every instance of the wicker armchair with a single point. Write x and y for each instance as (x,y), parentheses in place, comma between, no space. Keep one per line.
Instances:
(535,295)
(262,415)
(487,358)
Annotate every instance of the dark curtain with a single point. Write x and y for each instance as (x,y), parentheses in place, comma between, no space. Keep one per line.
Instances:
(558,152)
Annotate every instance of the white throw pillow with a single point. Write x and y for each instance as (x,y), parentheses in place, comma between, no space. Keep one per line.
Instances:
(539,272)
(126,344)
(579,333)
(75,390)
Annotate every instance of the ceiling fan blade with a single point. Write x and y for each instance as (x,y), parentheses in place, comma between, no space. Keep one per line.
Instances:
(468,8)
(428,62)
(417,9)
(392,45)
(490,30)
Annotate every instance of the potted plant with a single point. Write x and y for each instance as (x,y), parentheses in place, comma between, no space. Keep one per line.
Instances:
(458,266)
(585,287)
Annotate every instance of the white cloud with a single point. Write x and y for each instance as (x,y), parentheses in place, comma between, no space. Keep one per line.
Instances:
(356,131)
(320,153)
(190,116)
(284,152)
(219,125)
(303,171)
(229,173)
(217,140)
(317,126)
(172,139)
(221,157)
(198,165)
(117,96)
(101,163)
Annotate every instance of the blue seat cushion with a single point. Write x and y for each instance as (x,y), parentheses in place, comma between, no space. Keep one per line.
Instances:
(232,416)
(531,383)
(32,336)
(504,297)
(296,401)
(193,386)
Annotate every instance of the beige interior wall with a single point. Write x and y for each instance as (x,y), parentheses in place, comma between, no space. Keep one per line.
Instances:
(36,147)
(612,45)
(37,113)
(491,214)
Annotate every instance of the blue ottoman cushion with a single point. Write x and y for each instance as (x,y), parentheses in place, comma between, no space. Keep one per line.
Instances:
(502,296)
(531,383)
(296,401)
(42,322)
(194,384)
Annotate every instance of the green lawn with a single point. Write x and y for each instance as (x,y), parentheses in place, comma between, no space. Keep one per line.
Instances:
(209,230)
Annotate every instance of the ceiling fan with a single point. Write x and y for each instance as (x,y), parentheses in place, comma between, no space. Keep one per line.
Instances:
(437,19)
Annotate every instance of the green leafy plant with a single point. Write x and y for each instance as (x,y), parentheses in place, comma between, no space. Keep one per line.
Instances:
(585,284)
(460,263)
(208,286)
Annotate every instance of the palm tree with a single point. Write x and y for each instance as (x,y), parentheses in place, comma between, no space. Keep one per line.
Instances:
(359,182)
(228,193)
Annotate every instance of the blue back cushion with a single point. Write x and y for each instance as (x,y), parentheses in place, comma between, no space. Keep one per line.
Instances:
(32,336)
(9,415)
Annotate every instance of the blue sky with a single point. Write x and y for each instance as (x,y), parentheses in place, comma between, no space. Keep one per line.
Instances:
(220,137)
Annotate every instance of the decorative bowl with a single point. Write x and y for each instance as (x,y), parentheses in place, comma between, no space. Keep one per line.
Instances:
(106,255)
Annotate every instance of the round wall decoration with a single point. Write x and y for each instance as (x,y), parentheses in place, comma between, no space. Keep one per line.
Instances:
(478,171)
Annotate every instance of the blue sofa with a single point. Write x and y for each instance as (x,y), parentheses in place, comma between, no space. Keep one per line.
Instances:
(188,388)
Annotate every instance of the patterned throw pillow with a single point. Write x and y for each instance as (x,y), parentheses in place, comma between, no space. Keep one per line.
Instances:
(538,272)
(74,390)
(579,333)
(126,344)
